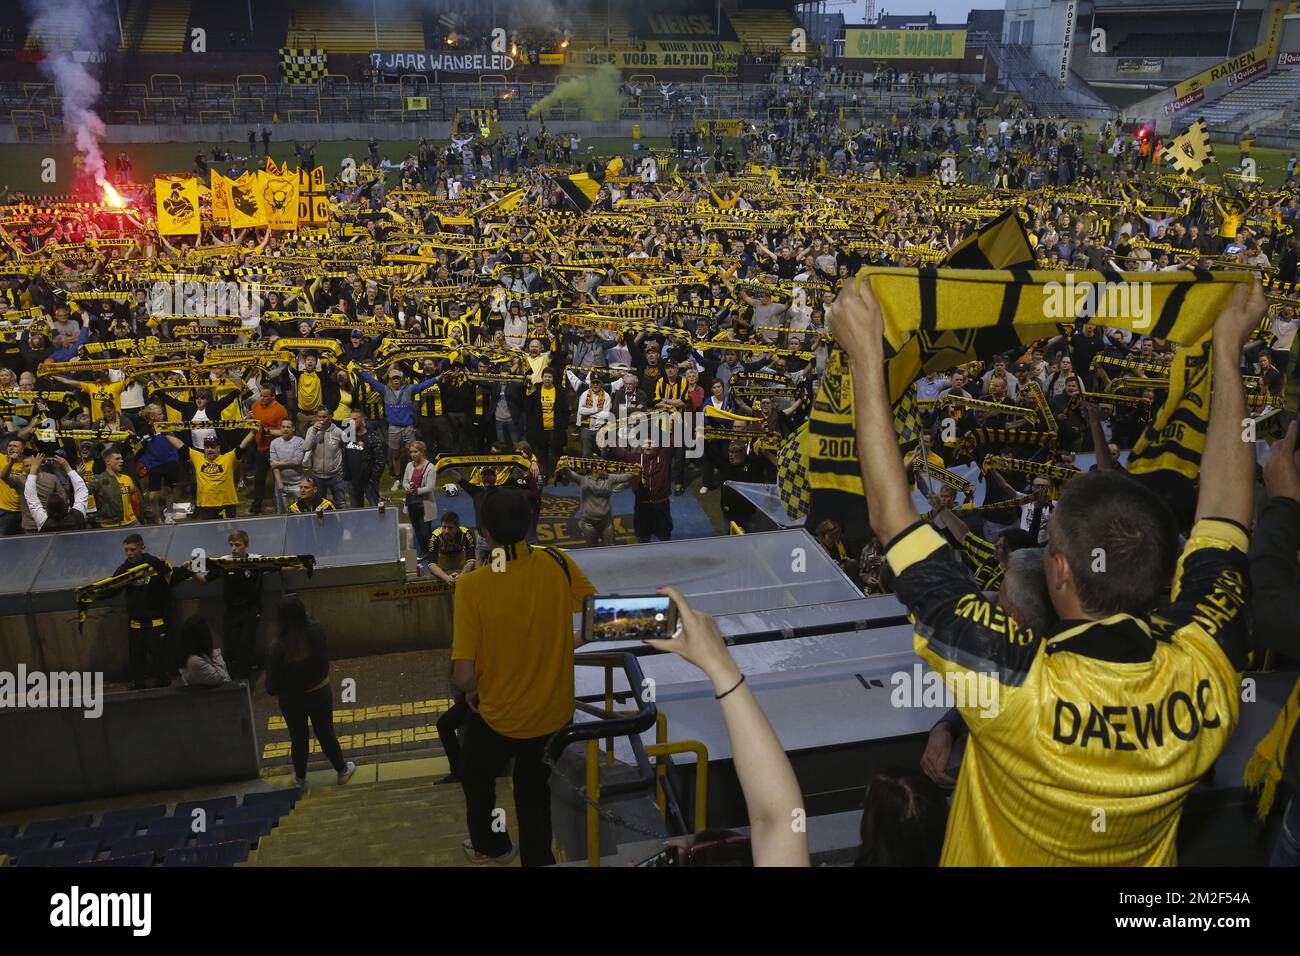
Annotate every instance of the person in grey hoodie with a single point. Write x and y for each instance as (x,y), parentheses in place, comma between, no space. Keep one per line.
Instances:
(323,452)
(595,518)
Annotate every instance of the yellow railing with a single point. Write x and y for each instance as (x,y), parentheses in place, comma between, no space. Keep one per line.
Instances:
(661,748)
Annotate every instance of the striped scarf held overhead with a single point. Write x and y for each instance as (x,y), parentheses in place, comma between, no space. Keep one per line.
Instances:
(935,319)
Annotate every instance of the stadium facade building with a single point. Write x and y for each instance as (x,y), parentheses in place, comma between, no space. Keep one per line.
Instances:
(1152,60)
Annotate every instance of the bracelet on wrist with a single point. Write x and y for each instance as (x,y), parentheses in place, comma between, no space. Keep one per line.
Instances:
(733,687)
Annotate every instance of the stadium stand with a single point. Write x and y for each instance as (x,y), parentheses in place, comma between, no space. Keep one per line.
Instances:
(134,16)
(227,831)
(1276,91)
(165,29)
(339,29)
(61,33)
(763,29)
(593,30)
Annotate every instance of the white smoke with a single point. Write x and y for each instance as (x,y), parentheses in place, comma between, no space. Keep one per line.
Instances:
(93,26)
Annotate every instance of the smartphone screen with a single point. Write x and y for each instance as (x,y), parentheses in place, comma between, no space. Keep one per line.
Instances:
(621,617)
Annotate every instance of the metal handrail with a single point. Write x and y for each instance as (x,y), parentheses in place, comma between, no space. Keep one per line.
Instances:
(621,725)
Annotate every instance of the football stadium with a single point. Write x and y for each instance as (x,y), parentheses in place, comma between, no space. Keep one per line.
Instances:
(935,368)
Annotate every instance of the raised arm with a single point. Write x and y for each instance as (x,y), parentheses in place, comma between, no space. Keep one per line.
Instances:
(858,328)
(1228,464)
(767,780)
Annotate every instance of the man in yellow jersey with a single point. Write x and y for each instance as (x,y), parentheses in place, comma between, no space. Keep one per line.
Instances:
(214,476)
(518,679)
(116,495)
(1085,740)
(97,392)
(310,391)
(12,466)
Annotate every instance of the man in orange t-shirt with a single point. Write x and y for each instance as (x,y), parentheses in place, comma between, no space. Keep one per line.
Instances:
(269,413)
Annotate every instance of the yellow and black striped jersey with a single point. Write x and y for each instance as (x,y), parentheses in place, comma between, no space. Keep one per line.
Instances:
(675,391)
(981,557)
(1084,741)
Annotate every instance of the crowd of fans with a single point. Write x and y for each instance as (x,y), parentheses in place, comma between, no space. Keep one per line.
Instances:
(474,302)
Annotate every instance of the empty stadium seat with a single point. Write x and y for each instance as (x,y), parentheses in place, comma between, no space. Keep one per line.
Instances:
(138,816)
(250,831)
(213,808)
(155,844)
(169,825)
(61,856)
(217,854)
(100,836)
(60,827)
(137,859)
(8,832)
(17,846)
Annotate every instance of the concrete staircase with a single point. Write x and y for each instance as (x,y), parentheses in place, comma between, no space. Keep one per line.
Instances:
(407,822)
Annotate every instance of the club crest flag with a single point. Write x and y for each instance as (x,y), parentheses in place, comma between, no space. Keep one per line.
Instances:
(220,199)
(247,208)
(279,192)
(178,206)
(1191,150)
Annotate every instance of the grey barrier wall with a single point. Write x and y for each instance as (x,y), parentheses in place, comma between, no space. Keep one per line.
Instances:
(357,591)
(143,741)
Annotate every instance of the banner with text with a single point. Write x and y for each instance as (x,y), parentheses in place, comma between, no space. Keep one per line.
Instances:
(439,61)
(905,44)
(663,55)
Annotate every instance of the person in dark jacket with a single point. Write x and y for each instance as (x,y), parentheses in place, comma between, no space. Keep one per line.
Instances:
(148,611)
(1275,580)
(363,462)
(653,515)
(548,420)
(298,675)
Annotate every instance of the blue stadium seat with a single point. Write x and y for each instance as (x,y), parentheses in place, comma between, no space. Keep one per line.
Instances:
(218,854)
(17,846)
(59,827)
(169,825)
(135,859)
(154,843)
(8,831)
(63,856)
(251,831)
(213,808)
(100,836)
(140,816)
(287,798)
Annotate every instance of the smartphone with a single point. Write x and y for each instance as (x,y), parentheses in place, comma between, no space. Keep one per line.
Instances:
(628,617)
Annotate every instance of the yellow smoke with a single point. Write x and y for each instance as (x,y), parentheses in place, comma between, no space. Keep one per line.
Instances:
(596,92)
